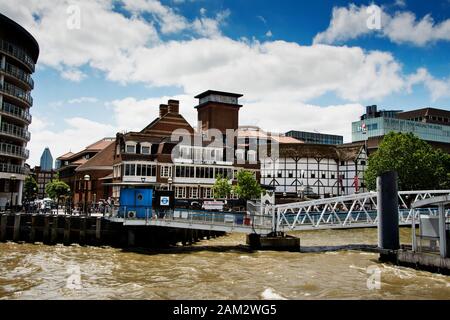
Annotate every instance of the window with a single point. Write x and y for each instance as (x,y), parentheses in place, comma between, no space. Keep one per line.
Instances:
(333,175)
(290,174)
(313,175)
(131,148)
(207,193)
(342,163)
(240,154)
(251,156)
(194,193)
(166,171)
(180,192)
(145,149)
(363,163)
(324,175)
(280,174)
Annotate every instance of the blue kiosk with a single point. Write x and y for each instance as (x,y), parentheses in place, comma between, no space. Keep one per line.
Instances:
(135,203)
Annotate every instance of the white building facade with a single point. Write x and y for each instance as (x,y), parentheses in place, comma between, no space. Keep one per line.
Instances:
(316,170)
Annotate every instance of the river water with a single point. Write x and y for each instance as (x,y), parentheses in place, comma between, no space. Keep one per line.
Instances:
(213,269)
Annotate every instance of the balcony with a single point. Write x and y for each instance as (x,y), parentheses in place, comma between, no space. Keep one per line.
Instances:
(17,92)
(16,112)
(18,74)
(14,151)
(17,53)
(14,131)
(12,168)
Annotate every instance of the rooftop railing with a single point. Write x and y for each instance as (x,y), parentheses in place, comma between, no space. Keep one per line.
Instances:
(17,52)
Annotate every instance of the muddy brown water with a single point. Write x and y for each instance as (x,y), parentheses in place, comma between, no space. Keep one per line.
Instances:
(213,269)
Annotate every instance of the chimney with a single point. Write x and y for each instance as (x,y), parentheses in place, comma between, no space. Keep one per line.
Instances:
(163,110)
(174,106)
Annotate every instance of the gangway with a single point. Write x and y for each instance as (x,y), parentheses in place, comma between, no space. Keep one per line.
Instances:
(344,212)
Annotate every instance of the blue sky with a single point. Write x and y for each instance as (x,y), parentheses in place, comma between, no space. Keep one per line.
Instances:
(305,65)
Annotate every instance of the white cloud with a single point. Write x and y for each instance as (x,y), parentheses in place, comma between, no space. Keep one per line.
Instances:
(263,69)
(403,27)
(77,135)
(269,34)
(133,115)
(74,75)
(438,88)
(82,100)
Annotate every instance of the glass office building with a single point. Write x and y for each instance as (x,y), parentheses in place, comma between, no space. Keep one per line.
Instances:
(378,127)
(316,138)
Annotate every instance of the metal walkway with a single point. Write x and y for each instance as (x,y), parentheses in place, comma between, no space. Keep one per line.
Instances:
(354,211)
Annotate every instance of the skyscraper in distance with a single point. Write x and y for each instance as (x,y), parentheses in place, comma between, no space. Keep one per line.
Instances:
(46,160)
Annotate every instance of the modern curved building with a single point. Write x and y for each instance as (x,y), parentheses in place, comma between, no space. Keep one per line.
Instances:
(19,52)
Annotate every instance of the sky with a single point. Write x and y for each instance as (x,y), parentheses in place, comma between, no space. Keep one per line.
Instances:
(106,65)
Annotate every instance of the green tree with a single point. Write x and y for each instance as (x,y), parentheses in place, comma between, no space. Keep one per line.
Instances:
(221,188)
(419,166)
(247,187)
(30,188)
(56,189)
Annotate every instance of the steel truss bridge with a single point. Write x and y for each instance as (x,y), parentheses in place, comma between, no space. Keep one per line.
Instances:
(353,211)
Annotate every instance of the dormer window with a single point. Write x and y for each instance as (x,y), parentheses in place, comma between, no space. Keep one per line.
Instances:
(130,147)
(146,148)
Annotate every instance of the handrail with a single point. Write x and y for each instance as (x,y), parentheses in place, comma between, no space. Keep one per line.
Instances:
(12,168)
(17,92)
(14,130)
(15,111)
(18,73)
(10,149)
(17,52)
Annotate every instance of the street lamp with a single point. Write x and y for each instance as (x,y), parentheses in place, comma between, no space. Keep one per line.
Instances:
(13,179)
(86,181)
(170,180)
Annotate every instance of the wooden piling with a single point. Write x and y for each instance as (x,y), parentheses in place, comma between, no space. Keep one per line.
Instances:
(82,234)
(66,240)
(3,222)
(98,229)
(54,230)
(16,234)
(46,232)
(33,229)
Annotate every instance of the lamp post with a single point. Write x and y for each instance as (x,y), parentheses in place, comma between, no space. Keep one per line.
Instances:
(13,179)
(170,180)
(86,181)
(68,207)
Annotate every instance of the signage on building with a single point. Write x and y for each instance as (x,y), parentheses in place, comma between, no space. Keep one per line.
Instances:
(164,201)
(213,205)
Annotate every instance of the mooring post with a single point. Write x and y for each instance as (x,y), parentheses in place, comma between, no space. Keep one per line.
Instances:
(387,203)
(3,222)
(16,233)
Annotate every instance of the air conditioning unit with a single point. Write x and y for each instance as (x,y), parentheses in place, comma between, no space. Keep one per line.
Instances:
(131,215)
